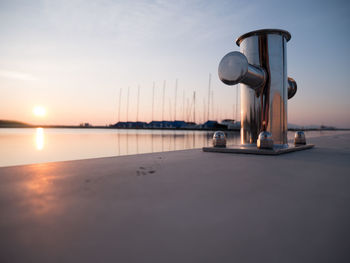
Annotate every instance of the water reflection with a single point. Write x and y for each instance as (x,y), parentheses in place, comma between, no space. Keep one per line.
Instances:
(140,141)
(39,139)
(50,145)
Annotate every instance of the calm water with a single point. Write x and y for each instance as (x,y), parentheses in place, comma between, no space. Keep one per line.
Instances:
(26,146)
(38,145)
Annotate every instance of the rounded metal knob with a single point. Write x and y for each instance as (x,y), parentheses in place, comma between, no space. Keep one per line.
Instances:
(219,139)
(265,140)
(299,138)
(234,68)
(292,87)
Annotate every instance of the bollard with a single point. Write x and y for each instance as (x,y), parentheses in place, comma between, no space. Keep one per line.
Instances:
(261,70)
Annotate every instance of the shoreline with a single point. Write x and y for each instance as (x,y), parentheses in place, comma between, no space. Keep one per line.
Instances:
(181,129)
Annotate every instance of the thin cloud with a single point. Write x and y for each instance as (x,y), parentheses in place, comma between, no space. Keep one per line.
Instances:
(146,21)
(16,75)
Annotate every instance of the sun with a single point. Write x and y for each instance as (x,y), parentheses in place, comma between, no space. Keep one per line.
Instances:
(39,111)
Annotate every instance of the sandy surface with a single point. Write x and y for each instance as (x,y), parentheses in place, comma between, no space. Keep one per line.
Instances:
(184,206)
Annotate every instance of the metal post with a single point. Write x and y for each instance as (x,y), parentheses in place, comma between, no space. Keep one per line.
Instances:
(261,70)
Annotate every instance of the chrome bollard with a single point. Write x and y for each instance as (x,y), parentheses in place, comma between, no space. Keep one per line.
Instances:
(261,70)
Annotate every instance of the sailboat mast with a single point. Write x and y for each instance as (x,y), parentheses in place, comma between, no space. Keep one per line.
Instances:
(120,99)
(212,104)
(204,110)
(153,101)
(164,85)
(194,106)
(170,110)
(175,100)
(127,105)
(188,111)
(138,103)
(183,105)
(209,96)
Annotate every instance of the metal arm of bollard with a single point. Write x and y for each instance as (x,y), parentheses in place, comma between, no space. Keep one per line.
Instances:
(292,88)
(234,68)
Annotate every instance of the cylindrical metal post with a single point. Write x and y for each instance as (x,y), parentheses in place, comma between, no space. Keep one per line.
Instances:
(265,110)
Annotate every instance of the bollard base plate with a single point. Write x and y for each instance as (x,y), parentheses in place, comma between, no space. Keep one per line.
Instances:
(243,149)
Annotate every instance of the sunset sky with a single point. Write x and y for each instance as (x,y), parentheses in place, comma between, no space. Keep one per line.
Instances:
(73,57)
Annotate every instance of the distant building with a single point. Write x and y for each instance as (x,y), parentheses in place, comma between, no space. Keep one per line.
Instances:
(85,124)
(231,124)
(155,124)
(168,124)
(130,125)
(191,125)
(180,124)
(213,125)
(120,124)
(139,125)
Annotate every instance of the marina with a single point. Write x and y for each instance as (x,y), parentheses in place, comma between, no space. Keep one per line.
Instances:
(125,138)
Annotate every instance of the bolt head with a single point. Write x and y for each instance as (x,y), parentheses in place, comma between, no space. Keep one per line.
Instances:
(265,140)
(219,139)
(299,138)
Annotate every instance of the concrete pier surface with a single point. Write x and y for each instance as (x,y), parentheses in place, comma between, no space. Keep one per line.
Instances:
(183,206)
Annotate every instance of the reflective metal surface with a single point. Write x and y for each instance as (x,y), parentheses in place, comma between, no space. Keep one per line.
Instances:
(264,32)
(234,68)
(252,149)
(219,139)
(264,108)
(265,140)
(292,88)
(299,138)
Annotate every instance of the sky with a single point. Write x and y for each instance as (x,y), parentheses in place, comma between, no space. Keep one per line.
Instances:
(75,57)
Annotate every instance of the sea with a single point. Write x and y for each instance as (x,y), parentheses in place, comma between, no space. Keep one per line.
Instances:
(20,146)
